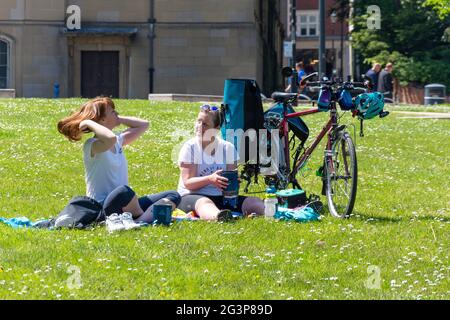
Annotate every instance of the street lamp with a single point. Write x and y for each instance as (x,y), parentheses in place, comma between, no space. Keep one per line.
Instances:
(342,50)
(333,17)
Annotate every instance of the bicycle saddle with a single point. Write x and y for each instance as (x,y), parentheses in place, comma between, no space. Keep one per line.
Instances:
(283,96)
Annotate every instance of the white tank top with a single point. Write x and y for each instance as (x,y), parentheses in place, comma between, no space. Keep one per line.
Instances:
(105,171)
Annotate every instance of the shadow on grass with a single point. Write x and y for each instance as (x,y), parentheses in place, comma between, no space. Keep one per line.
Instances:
(386,219)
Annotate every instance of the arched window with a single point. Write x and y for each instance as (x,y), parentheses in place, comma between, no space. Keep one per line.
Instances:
(4,64)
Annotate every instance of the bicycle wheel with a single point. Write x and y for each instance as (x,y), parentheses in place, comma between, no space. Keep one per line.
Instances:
(341,173)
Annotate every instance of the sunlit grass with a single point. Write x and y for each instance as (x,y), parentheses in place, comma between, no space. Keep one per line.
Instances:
(400,225)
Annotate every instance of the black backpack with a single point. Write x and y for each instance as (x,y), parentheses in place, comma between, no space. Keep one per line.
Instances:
(80,213)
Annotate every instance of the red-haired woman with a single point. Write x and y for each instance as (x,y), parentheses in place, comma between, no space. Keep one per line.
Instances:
(105,164)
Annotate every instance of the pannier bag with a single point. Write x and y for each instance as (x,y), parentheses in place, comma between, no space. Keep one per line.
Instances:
(324,100)
(241,109)
(345,101)
(296,125)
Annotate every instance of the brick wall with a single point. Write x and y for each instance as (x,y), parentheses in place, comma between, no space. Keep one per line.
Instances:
(314,5)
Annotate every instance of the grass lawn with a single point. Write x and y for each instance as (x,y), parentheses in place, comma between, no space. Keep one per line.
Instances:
(399,231)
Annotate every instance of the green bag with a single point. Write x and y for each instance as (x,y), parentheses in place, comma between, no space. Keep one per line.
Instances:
(369,105)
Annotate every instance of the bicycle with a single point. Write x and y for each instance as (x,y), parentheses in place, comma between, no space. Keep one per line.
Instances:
(340,171)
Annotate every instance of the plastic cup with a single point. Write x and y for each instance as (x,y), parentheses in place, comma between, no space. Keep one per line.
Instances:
(162,214)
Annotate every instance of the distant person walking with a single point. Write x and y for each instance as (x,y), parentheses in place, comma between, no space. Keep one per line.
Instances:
(300,73)
(373,75)
(386,81)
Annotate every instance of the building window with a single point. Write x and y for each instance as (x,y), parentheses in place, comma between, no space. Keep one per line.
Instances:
(4,64)
(307,24)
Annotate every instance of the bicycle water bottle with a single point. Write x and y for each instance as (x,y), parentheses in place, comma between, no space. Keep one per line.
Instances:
(231,193)
(270,203)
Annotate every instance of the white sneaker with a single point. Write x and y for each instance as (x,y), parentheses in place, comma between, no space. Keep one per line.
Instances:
(114,223)
(128,222)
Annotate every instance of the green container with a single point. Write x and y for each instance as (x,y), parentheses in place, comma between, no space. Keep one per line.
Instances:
(291,198)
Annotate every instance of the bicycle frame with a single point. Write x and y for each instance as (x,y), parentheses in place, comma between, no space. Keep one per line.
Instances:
(304,157)
(287,172)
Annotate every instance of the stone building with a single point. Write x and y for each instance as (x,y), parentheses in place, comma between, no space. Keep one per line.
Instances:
(129,49)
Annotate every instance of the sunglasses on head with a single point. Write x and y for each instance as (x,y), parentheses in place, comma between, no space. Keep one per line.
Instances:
(207,107)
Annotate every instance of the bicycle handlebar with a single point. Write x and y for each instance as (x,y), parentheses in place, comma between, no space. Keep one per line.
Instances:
(316,86)
(331,83)
(314,74)
(313,84)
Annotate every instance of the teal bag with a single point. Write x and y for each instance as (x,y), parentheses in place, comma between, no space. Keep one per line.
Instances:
(242,108)
(303,214)
(369,105)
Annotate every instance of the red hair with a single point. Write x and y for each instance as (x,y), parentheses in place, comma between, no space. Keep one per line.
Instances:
(94,110)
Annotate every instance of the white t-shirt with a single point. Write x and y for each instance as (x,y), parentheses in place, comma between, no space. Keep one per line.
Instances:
(105,171)
(191,153)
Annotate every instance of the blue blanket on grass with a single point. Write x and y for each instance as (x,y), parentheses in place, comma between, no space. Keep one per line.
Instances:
(22,222)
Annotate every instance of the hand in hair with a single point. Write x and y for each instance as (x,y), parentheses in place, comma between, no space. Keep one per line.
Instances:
(94,110)
(84,126)
(105,138)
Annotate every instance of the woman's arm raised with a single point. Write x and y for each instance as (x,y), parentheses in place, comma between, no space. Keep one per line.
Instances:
(105,137)
(136,128)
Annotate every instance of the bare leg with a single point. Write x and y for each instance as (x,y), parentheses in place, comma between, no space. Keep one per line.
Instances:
(206,209)
(253,205)
(147,216)
(134,208)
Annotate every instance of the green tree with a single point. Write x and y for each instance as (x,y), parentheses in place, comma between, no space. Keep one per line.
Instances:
(412,35)
(441,6)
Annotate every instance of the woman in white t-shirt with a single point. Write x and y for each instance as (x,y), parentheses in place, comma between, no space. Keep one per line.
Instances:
(105,164)
(201,161)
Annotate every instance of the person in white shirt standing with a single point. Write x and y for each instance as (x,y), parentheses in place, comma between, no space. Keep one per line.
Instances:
(105,164)
(201,161)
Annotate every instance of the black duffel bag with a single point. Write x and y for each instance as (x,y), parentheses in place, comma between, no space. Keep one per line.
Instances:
(81,212)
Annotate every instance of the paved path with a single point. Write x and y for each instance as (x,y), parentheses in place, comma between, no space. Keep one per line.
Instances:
(423,115)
